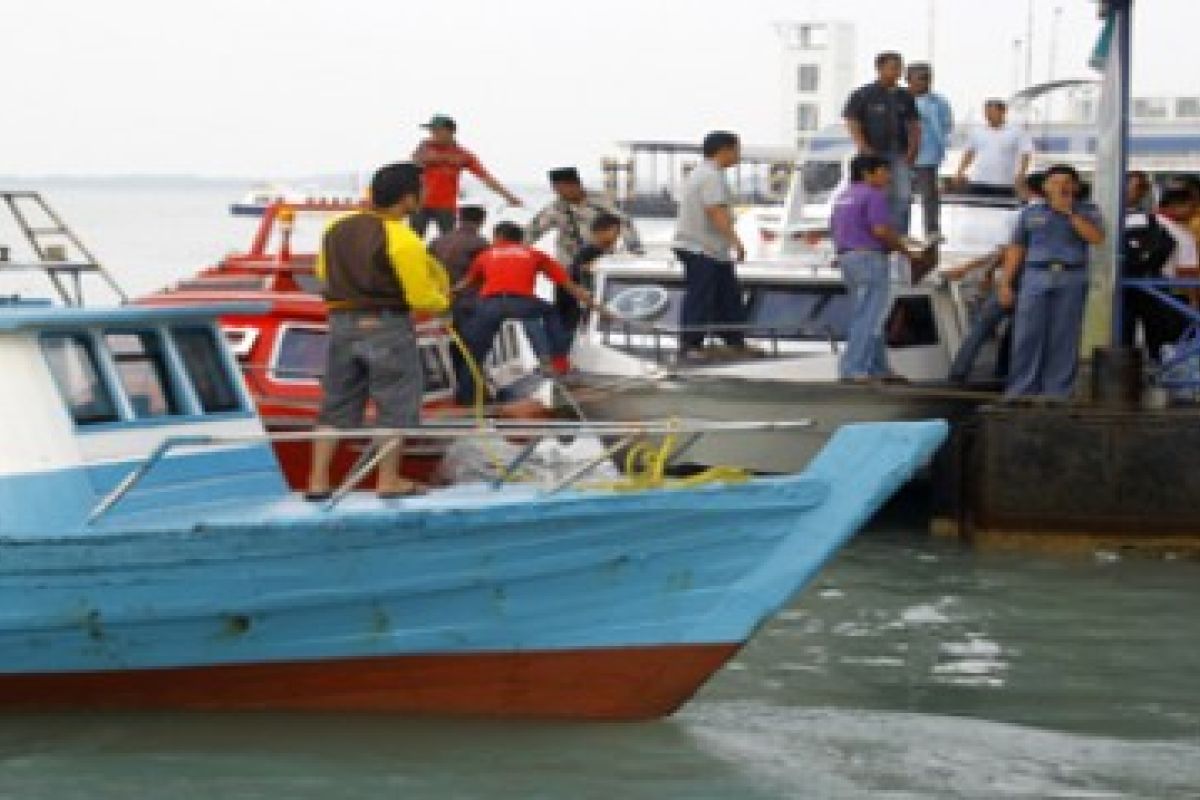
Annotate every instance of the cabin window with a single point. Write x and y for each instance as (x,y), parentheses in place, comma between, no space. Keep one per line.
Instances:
(797,313)
(911,323)
(301,354)
(437,375)
(143,372)
(666,315)
(72,361)
(207,369)
(814,313)
(819,179)
(513,342)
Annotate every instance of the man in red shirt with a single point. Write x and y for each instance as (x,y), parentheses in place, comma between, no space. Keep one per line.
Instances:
(508,272)
(443,160)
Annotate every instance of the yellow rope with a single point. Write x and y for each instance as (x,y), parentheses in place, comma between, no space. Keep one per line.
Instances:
(646,468)
(479,402)
(645,462)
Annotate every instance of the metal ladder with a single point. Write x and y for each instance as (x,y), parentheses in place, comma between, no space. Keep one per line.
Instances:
(65,275)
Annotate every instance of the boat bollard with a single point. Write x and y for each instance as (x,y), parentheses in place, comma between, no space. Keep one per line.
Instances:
(1117,377)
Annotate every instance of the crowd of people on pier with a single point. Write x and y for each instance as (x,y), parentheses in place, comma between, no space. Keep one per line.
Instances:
(377,268)
(1037,281)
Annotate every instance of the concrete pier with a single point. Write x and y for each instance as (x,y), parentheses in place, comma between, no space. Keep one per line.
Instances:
(1073,477)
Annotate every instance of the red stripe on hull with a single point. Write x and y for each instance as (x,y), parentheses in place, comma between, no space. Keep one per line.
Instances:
(610,684)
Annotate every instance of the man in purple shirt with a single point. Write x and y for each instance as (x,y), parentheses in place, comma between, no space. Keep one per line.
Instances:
(864,234)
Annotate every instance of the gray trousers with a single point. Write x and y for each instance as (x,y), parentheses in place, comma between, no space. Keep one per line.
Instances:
(925,184)
(373,356)
(1047,325)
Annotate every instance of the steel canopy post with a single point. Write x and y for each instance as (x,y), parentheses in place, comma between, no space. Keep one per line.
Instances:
(1122,11)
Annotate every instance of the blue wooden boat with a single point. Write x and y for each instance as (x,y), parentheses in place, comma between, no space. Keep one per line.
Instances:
(203,583)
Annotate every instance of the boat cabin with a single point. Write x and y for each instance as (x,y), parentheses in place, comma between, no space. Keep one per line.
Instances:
(91,394)
(799,316)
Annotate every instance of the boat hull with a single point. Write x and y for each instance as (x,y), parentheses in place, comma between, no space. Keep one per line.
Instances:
(633,683)
(830,405)
(471,600)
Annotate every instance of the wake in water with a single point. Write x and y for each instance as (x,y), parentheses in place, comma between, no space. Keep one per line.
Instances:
(828,753)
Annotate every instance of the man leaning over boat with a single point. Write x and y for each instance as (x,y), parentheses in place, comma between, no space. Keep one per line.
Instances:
(376,273)
(571,215)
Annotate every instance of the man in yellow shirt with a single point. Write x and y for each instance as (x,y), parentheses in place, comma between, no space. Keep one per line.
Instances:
(376,272)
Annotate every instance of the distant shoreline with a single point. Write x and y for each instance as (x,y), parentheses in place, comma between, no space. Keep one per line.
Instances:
(168,180)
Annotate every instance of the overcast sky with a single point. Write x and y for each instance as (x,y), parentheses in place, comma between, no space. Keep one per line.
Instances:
(288,87)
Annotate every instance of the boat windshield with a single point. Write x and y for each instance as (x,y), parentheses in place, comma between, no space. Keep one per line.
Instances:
(820,179)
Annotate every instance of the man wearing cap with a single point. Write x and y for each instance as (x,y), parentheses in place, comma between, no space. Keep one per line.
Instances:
(571,216)
(443,160)
(997,155)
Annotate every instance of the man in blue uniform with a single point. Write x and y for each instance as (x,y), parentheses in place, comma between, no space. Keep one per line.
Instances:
(1050,249)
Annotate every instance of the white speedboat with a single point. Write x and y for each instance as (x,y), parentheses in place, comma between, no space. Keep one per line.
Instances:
(254,202)
(798,317)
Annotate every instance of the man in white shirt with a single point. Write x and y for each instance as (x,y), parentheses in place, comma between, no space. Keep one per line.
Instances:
(1000,154)
(1176,206)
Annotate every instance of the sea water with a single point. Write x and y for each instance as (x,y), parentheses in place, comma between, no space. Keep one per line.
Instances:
(912,668)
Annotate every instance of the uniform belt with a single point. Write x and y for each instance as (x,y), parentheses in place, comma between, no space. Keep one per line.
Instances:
(1055,266)
(849,250)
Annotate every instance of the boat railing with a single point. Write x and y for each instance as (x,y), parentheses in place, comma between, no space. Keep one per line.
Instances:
(1187,349)
(50,240)
(385,440)
(662,341)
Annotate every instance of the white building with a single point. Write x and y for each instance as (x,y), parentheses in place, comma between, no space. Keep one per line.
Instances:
(818,69)
(1084,102)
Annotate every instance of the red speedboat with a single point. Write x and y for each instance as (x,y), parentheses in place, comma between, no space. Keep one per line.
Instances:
(282,348)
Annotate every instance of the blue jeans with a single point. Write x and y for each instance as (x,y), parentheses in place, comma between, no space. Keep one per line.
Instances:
(711,296)
(866,276)
(900,193)
(991,315)
(539,319)
(1047,326)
